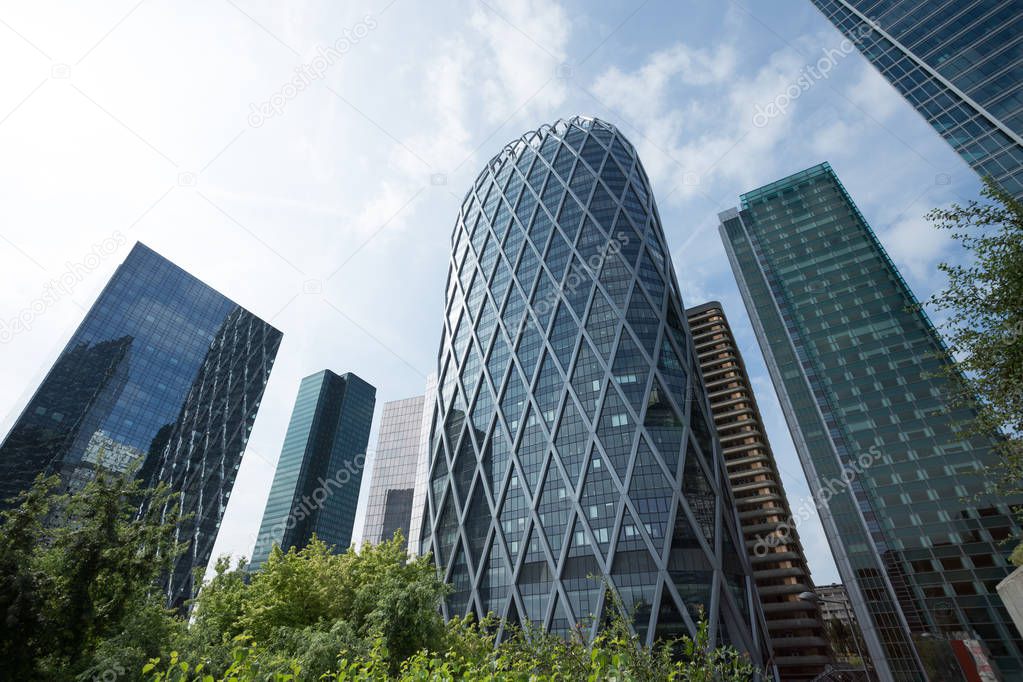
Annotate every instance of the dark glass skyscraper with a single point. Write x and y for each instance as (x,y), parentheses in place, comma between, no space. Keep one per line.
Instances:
(571,439)
(164,374)
(915,527)
(316,485)
(202,452)
(960,64)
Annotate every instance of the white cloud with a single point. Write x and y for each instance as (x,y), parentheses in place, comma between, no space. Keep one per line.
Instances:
(711,136)
(508,53)
(831,137)
(872,93)
(915,244)
(865,103)
(526,40)
(680,64)
(444,142)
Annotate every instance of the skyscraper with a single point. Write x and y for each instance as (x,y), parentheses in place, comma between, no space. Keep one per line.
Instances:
(203,448)
(570,439)
(837,606)
(794,626)
(960,64)
(163,374)
(316,484)
(423,466)
(393,481)
(915,526)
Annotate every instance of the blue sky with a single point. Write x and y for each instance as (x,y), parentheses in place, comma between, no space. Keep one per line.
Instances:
(330,212)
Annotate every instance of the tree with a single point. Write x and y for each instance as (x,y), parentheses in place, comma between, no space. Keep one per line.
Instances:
(215,619)
(378,591)
(308,606)
(470,652)
(984,302)
(79,589)
(311,614)
(22,584)
(840,635)
(79,575)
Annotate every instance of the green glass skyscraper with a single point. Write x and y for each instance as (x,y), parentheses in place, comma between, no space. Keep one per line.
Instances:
(914,525)
(316,485)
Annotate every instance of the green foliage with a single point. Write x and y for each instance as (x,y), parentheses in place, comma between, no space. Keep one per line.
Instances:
(23,586)
(470,652)
(377,591)
(840,635)
(1017,555)
(243,667)
(77,579)
(306,608)
(984,303)
(373,615)
(79,594)
(215,618)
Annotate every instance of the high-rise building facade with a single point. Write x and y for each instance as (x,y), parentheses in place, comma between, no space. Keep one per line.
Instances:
(834,603)
(319,473)
(794,626)
(422,467)
(571,445)
(202,452)
(960,64)
(915,526)
(164,375)
(393,477)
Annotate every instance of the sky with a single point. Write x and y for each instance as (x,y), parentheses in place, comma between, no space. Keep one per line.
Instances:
(327,209)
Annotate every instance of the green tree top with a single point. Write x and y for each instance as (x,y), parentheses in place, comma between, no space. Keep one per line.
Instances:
(79,576)
(984,303)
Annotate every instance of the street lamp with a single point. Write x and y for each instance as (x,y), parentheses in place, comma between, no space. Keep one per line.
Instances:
(815,598)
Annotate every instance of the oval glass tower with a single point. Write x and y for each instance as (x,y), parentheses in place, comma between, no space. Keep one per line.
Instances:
(570,442)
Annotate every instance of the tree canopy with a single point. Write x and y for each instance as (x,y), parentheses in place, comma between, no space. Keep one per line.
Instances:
(983,300)
(80,599)
(79,578)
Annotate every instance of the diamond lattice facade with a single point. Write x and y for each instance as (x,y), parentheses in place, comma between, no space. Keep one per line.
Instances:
(571,445)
